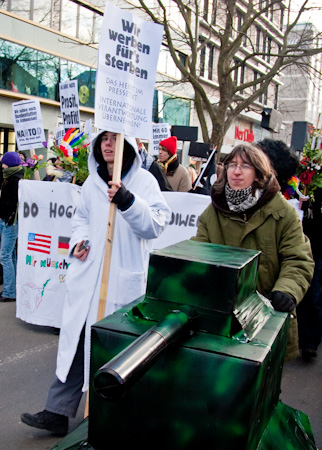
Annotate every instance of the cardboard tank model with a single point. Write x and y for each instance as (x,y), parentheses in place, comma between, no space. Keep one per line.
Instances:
(195,363)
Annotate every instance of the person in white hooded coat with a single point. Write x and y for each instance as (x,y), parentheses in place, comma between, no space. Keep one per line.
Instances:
(142,216)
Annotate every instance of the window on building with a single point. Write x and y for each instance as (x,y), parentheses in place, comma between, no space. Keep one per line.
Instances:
(7,140)
(29,71)
(214,12)
(20,7)
(211,50)
(85,25)
(68,19)
(42,12)
(203,61)
(168,109)
(258,39)
(166,64)
(65,16)
(263,97)
(282,17)
(276,96)
(264,49)
(255,77)
(269,49)
(205,10)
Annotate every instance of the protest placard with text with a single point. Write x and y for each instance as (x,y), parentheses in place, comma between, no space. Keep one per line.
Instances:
(160,131)
(27,122)
(69,104)
(127,63)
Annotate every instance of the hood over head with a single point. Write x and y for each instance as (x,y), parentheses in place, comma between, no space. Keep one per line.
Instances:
(131,156)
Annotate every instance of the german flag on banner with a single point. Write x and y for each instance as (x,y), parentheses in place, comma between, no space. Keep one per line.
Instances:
(63,245)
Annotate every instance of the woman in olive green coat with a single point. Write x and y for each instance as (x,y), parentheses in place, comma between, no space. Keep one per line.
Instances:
(248,211)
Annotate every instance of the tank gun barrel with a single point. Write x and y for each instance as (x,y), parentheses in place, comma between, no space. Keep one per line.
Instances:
(113,379)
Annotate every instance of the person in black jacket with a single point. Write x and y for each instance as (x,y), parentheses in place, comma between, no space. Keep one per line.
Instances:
(12,173)
(149,164)
(309,311)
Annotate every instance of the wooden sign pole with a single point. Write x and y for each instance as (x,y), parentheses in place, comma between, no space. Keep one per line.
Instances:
(118,159)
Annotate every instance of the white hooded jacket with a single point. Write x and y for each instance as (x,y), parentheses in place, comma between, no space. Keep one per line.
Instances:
(134,232)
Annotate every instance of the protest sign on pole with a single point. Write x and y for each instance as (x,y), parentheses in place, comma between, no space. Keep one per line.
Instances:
(160,131)
(127,63)
(69,104)
(125,79)
(27,122)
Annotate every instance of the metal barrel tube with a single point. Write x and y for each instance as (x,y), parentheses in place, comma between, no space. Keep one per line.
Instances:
(113,379)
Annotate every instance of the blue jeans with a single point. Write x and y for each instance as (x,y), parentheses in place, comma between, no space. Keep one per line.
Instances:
(8,258)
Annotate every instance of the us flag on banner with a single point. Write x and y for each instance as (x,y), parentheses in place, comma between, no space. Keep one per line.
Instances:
(39,243)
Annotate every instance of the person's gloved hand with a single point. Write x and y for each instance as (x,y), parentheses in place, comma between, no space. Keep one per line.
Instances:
(123,198)
(281,302)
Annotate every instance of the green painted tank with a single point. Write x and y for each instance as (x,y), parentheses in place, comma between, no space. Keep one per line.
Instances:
(196,362)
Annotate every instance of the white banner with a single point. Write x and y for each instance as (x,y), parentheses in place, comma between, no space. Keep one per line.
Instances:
(160,131)
(27,122)
(69,104)
(185,210)
(44,215)
(127,63)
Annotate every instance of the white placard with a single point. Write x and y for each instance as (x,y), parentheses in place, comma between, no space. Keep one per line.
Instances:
(45,213)
(127,63)
(69,104)
(88,129)
(60,133)
(160,131)
(27,122)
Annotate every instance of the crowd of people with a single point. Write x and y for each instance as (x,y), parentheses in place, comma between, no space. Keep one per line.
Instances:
(247,210)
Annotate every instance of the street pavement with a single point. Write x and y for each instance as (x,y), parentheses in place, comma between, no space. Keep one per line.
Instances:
(27,364)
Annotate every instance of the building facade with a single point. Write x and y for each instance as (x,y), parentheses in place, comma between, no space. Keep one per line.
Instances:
(43,43)
(301,93)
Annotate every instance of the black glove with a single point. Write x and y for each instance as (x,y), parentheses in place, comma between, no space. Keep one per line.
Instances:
(281,302)
(123,198)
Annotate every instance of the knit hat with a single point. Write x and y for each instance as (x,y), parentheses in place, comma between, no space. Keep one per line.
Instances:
(11,159)
(170,144)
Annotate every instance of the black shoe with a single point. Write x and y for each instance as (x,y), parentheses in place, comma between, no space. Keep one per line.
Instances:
(46,420)
(6,299)
(308,353)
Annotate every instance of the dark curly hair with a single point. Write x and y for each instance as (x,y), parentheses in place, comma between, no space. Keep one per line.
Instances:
(283,158)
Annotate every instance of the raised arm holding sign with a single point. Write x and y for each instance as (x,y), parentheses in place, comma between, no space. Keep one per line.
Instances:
(120,211)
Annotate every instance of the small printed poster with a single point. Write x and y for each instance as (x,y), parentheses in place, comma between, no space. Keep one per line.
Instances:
(69,104)
(27,121)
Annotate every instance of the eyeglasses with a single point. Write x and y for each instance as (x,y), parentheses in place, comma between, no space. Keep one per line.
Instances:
(242,167)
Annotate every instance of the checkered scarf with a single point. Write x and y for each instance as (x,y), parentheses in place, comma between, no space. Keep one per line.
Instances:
(242,199)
